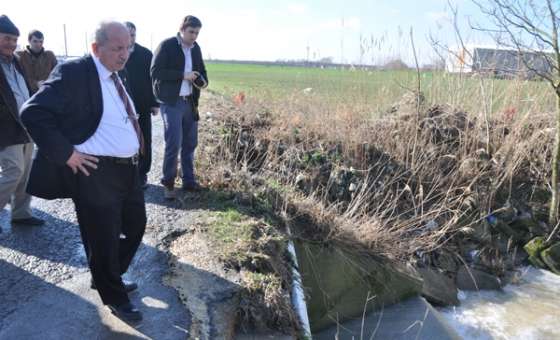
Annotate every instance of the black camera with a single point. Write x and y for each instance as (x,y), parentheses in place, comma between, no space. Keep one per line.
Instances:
(199,82)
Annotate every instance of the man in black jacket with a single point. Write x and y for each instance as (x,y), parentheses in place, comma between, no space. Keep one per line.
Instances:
(176,66)
(138,77)
(86,128)
(16,148)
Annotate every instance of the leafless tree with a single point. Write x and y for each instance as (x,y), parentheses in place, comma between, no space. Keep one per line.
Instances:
(530,27)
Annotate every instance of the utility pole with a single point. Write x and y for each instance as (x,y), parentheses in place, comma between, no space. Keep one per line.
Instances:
(65,42)
(342,42)
(362,49)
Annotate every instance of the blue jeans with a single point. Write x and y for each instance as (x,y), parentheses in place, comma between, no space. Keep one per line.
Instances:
(180,133)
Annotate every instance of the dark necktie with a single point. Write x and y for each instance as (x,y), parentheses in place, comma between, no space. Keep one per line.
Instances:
(129,110)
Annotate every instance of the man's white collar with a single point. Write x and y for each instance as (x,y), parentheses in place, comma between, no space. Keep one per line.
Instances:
(103,72)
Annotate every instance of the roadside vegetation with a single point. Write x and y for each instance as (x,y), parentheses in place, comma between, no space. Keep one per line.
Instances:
(451,180)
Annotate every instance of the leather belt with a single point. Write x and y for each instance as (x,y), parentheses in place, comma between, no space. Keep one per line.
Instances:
(186,98)
(120,160)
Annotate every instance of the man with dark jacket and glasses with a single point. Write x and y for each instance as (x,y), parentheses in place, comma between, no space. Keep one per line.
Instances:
(178,73)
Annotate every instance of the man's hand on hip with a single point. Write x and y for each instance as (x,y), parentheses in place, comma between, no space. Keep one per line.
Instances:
(78,162)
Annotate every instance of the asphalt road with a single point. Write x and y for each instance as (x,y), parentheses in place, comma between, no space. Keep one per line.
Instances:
(44,278)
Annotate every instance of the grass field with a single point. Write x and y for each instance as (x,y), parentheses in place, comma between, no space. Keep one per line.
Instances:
(376,91)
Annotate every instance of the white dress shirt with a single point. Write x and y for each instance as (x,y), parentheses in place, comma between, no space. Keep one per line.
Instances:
(186,86)
(115,136)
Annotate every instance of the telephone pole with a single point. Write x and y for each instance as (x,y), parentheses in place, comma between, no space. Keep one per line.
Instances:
(65,42)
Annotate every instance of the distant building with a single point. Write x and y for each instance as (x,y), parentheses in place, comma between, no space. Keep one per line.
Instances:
(499,62)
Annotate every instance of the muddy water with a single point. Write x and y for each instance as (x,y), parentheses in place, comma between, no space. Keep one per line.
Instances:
(528,309)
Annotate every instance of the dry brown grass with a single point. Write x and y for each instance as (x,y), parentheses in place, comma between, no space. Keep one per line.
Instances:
(399,185)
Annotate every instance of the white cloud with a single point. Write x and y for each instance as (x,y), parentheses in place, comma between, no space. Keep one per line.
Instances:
(296,8)
(351,23)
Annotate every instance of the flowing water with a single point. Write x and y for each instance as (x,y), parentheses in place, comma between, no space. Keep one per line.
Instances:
(527,309)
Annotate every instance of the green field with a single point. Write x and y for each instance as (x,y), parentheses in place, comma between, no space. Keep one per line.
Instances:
(377,90)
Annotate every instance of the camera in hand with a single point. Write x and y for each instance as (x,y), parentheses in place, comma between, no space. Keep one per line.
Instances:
(199,81)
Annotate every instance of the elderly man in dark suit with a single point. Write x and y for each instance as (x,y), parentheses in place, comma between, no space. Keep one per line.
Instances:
(178,73)
(16,148)
(87,131)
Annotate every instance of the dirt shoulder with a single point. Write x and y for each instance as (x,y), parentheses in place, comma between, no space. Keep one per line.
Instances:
(228,265)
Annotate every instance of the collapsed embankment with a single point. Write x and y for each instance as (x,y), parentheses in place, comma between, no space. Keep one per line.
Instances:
(440,198)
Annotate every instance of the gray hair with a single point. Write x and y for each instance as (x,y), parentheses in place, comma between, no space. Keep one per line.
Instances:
(101,35)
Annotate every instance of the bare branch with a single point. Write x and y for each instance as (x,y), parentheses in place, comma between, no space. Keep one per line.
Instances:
(556,48)
(458,35)
(522,26)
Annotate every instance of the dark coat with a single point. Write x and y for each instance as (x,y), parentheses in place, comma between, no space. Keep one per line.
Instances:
(138,78)
(168,66)
(65,112)
(12,131)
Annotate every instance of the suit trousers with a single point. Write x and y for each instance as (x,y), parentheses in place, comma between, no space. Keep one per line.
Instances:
(15,164)
(145,162)
(108,202)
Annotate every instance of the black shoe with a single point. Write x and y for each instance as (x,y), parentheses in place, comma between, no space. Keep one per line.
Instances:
(128,286)
(29,221)
(126,312)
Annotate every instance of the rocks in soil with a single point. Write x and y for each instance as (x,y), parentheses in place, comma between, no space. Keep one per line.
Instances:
(534,248)
(446,261)
(551,257)
(529,227)
(340,181)
(469,278)
(438,288)
(303,183)
(515,234)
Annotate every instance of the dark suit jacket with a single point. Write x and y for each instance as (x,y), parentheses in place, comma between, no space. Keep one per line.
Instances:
(168,66)
(66,111)
(138,78)
(12,131)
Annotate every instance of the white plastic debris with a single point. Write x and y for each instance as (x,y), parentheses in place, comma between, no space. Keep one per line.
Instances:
(431,225)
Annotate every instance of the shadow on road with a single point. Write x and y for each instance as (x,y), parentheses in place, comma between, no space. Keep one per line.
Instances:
(35,309)
(58,241)
(45,293)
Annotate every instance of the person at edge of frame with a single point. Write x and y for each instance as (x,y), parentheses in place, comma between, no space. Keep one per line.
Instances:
(16,146)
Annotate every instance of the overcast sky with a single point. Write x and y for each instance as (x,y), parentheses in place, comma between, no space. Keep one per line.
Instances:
(257,30)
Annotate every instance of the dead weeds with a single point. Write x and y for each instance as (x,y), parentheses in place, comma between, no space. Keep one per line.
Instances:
(412,187)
